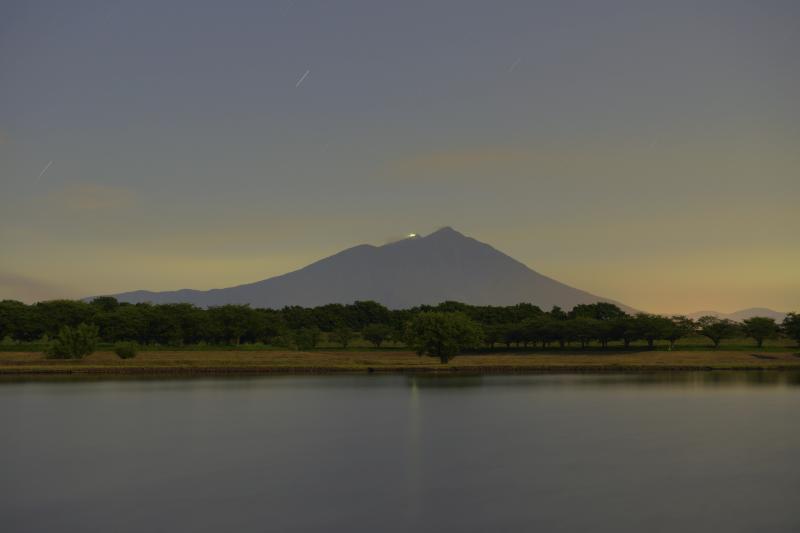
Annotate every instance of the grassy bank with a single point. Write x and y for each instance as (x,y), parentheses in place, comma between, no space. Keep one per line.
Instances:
(324,361)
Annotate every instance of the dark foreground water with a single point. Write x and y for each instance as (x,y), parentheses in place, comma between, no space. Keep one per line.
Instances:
(683,452)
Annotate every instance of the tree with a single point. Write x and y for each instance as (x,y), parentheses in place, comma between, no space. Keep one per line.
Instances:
(376,333)
(606,331)
(542,329)
(107,304)
(582,328)
(492,334)
(363,313)
(679,327)
(514,334)
(126,350)
(272,325)
(17,321)
(599,311)
(652,327)
(74,343)
(791,327)
(760,328)
(560,331)
(442,335)
(399,336)
(305,338)
(52,315)
(717,329)
(235,322)
(163,326)
(127,323)
(342,335)
(629,330)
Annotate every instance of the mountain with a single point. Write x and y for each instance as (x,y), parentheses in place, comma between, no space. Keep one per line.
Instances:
(743,314)
(444,265)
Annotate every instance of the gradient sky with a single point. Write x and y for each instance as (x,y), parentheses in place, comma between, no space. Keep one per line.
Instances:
(644,151)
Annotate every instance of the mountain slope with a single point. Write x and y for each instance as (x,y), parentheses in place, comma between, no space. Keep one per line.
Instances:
(445,265)
(744,314)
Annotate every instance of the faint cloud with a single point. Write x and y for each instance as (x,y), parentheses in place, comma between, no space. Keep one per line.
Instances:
(94,197)
(28,290)
(459,161)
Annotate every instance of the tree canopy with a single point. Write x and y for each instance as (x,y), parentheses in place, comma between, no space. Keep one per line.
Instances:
(522,325)
(442,335)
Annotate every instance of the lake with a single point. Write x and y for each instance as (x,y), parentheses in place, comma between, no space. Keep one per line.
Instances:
(654,452)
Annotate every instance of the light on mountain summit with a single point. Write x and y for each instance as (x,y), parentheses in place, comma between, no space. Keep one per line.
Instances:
(412,235)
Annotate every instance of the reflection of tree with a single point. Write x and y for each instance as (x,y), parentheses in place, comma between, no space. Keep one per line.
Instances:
(720,378)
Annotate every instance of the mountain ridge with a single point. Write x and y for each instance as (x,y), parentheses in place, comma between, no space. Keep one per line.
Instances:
(742,314)
(444,265)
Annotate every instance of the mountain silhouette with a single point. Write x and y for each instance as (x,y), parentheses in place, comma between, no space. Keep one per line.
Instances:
(743,314)
(442,266)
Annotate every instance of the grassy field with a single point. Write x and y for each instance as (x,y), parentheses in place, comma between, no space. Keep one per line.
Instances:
(330,361)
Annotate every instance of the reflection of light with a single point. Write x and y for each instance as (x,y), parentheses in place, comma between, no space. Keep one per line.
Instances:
(413,469)
(412,235)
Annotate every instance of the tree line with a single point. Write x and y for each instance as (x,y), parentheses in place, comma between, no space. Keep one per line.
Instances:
(523,325)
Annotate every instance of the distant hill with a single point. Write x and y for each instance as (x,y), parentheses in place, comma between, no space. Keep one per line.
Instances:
(444,265)
(744,314)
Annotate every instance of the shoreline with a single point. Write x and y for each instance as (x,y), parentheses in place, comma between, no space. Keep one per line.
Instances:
(300,371)
(213,363)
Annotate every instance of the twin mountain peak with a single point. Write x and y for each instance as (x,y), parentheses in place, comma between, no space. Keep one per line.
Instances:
(445,265)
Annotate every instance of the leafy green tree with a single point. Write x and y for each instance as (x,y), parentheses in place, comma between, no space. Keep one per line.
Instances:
(533,330)
(126,350)
(297,317)
(598,311)
(181,323)
(607,331)
(376,333)
(629,330)
(306,338)
(17,322)
(235,322)
(652,327)
(363,313)
(52,315)
(398,336)
(342,335)
(74,342)
(105,304)
(717,329)
(163,325)
(272,325)
(583,329)
(492,334)
(680,327)
(560,331)
(515,334)
(791,327)
(442,335)
(127,323)
(506,333)
(760,328)
(330,316)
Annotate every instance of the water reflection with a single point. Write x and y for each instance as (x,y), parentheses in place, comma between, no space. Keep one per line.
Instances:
(547,452)
(789,378)
(674,379)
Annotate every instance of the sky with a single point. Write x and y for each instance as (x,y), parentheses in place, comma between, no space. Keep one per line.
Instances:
(647,152)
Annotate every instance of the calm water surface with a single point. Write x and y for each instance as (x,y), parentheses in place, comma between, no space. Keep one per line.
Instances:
(680,452)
